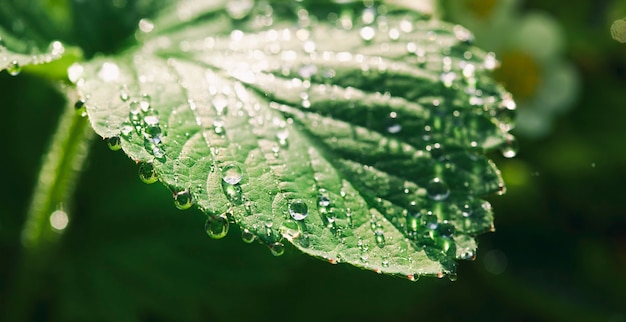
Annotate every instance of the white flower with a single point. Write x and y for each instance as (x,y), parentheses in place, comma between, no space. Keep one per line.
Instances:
(530,48)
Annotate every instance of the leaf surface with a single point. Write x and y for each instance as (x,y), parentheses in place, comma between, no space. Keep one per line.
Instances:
(355,133)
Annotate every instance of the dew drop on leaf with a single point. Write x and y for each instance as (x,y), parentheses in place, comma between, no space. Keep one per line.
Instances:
(445,230)
(183,199)
(247,236)
(379,236)
(145,25)
(290,229)
(152,129)
(394,127)
(430,221)
(14,68)
(367,33)
(79,105)
(509,147)
(298,209)
(124,96)
(126,130)
(239,9)
(144,103)
(277,248)
(466,210)
(147,173)
(114,143)
(232,174)
(232,192)
(413,277)
(437,189)
(282,137)
(323,200)
(217,226)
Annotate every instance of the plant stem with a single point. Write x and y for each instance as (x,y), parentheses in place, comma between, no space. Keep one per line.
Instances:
(53,189)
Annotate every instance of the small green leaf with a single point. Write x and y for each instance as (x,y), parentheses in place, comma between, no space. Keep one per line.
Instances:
(355,133)
(16,53)
(26,30)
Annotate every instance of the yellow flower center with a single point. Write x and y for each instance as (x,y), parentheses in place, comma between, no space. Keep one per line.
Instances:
(520,74)
(481,8)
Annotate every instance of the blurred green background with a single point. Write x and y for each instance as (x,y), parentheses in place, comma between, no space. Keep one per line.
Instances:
(558,253)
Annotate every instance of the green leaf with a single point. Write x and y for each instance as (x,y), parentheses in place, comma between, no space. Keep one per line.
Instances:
(355,133)
(26,28)
(16,53)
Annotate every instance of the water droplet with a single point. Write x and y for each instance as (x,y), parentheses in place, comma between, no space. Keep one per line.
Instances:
(74,72)
(430,221)
(239,9)
(147,173)
(307,71)
(469,255)
(453,277)
(490,62)
(183,199)
(109,72)
(436,151)
(277,248)
(466,210)
(233,193)
(367,33)
(448,78)
(290,229)
(298,210)
(437,189)
(59,220)
(153,146)
(79,105)
(509,147)
(413,277)
(152,128)
(114,143)
(124,96)
(144,104)
(217,226)
(220,103)
(282,137)
(247,236)
(232,174)
(14,68)
(445,230)
(379,236)
(462,34)
(145,25)
(323,200)
(248,207)
(394,128)
(126,129)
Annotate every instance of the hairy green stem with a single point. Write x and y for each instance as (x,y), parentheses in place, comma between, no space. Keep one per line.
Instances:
(53,189)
